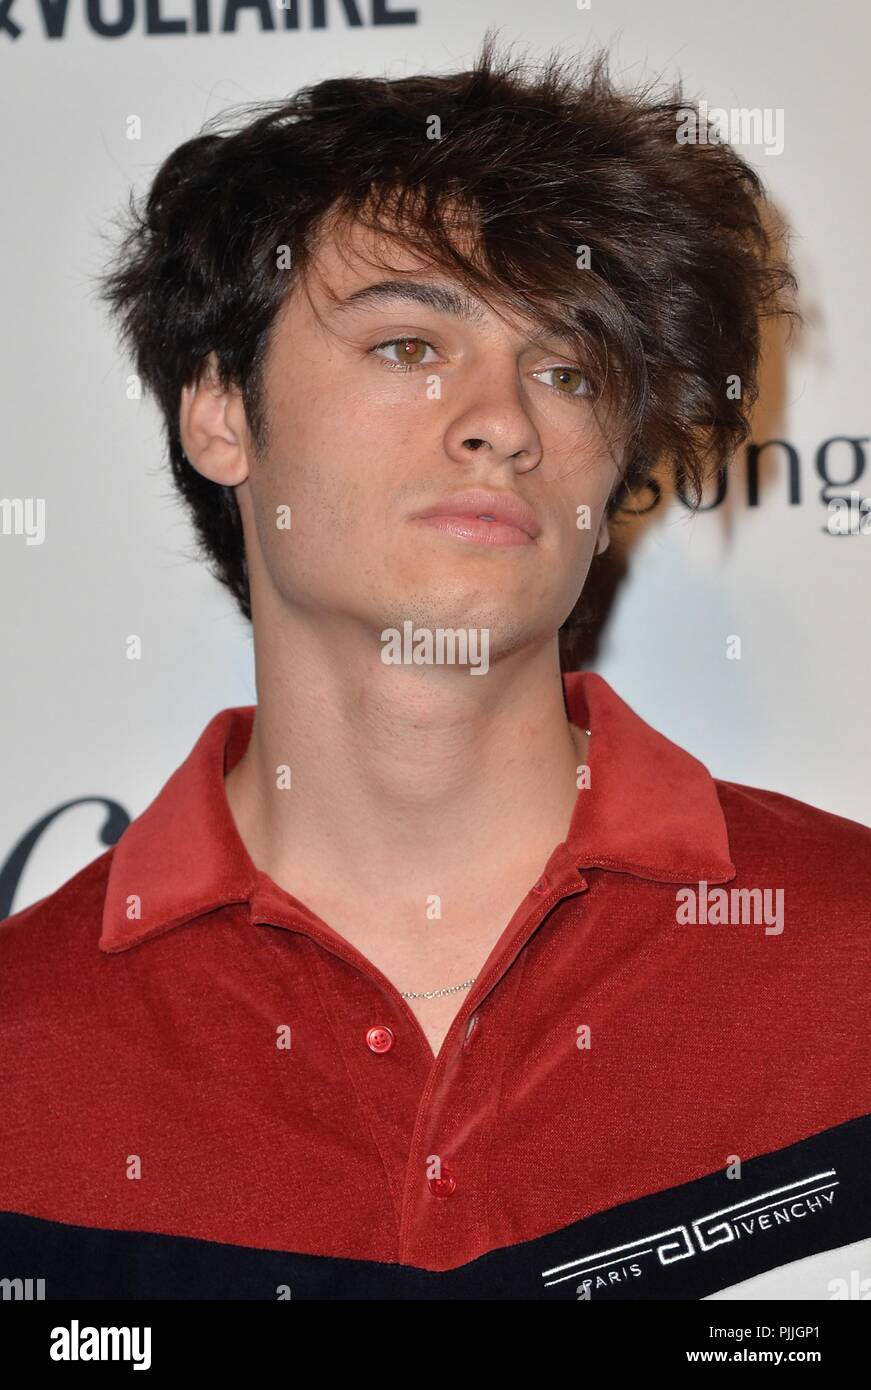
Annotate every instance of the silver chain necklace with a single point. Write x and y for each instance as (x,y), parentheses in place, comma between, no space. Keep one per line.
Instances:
(437,993)
(451,989)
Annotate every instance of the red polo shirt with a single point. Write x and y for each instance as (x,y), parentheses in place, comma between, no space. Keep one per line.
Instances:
(208,1092)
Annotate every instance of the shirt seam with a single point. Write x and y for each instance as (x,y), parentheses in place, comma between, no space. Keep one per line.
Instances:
(643,870)
(521,960)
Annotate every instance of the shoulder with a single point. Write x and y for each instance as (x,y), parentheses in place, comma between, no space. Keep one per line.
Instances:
(824,857)
(57,934)
(768,813)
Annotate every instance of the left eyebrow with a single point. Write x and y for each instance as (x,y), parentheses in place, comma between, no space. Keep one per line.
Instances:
(442,298)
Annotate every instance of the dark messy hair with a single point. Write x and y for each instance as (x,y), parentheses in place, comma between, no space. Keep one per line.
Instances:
(682,268)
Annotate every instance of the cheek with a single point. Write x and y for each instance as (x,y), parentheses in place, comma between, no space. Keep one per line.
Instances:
(582,550)
(333,520)
(574,548)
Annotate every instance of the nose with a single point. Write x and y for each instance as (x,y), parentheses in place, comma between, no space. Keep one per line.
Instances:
(496,422)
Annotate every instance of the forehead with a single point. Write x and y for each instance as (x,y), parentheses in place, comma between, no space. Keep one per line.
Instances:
(355,266)
(351,252)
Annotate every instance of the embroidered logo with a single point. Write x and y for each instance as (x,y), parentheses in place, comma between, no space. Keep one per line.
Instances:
(743,1220)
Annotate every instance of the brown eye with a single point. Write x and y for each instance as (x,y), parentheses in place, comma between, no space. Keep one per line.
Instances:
(409,351)
(569,381)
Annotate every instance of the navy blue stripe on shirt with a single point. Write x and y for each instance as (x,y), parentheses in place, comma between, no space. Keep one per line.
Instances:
(682,1243)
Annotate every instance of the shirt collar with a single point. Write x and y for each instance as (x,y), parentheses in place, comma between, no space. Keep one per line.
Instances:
(651,810)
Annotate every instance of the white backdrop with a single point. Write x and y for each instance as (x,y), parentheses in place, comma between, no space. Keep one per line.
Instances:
(80,719)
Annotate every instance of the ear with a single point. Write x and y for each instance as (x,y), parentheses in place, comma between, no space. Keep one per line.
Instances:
(212,427)
(604,537)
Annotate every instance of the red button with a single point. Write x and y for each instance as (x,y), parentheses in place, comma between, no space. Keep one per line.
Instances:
(380,1039)
(445,1185)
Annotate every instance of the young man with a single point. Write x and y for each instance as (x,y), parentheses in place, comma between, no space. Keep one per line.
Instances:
(439,973)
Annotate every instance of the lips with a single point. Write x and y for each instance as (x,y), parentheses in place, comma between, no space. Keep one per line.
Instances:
(502,518)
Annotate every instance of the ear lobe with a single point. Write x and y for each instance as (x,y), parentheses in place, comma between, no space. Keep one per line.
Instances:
(603,539)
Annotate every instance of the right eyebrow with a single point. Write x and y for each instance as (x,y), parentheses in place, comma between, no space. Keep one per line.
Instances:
(443,298)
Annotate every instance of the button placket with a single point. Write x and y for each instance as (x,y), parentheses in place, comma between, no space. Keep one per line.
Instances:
(439,1229)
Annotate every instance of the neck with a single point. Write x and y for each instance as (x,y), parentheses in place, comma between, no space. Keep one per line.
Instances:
(424,779)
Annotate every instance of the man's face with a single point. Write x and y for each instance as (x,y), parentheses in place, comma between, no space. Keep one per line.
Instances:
(365,436)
